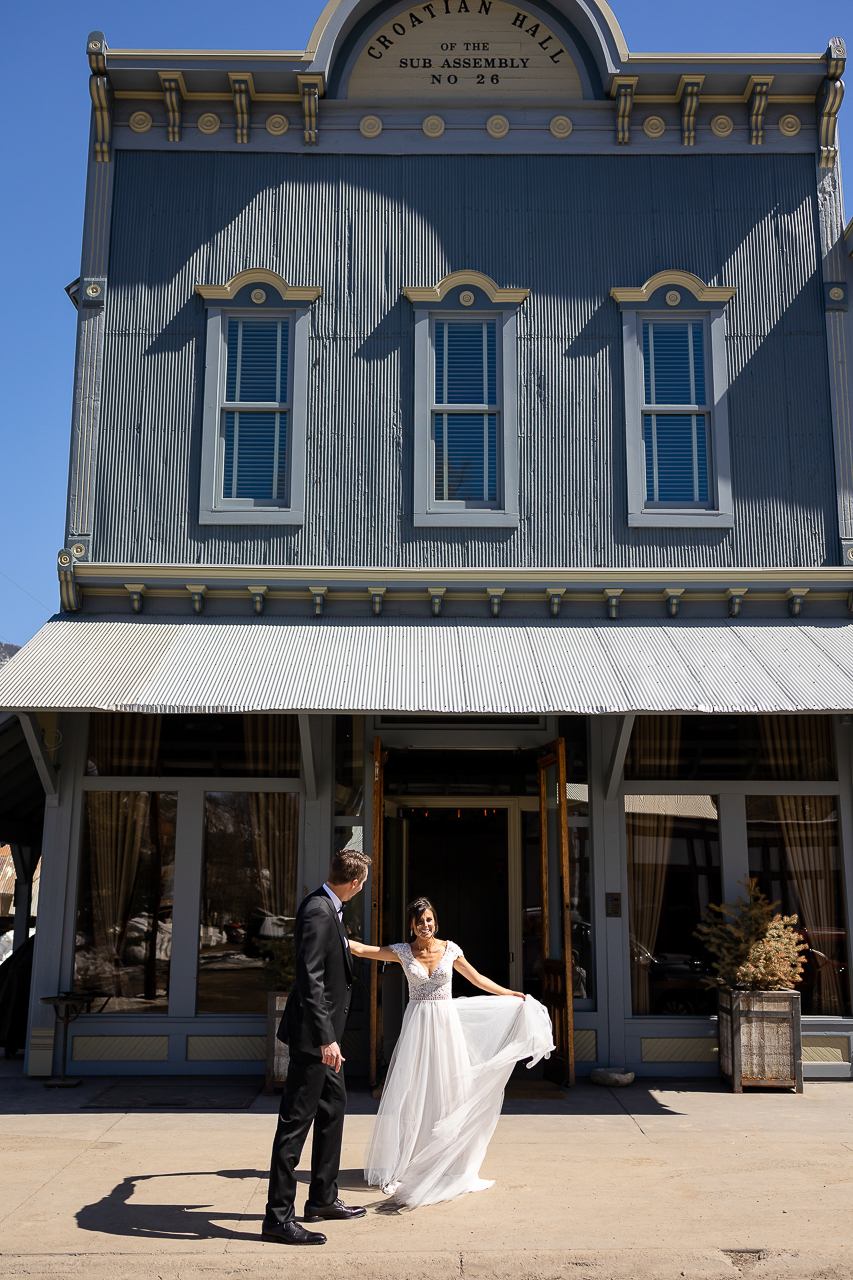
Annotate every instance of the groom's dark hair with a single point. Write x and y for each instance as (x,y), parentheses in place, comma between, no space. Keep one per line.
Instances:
(349,865)
(416,910)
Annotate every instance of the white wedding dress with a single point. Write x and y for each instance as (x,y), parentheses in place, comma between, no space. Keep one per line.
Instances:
(444,1090)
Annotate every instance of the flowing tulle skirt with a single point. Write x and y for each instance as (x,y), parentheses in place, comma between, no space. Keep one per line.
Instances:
(444,1091)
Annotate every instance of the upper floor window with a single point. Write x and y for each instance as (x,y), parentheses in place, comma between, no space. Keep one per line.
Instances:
(255,394)
(465,413)
(676,414)
(253,453)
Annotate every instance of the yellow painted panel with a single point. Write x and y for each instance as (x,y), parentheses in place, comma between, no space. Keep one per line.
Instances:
(680,1049)
(120,1049)
(585,1046)
(826,1048)
(226,1048)
(41,1051)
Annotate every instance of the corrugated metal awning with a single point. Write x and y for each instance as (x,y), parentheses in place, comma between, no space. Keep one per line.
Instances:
(437,665)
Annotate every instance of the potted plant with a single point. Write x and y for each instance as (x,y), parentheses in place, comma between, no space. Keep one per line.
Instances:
(280,973)
(758,961)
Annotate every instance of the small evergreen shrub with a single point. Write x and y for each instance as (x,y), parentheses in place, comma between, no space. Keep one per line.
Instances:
(753,948)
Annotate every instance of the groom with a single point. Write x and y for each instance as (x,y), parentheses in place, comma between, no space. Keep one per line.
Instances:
(312,1026)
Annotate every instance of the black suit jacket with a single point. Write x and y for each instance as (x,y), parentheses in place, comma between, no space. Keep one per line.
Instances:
(317,1008)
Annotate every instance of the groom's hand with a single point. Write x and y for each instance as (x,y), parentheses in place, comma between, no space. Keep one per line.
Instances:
(332,1055)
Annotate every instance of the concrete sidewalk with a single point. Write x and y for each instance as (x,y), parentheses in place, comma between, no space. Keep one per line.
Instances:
(663,1179)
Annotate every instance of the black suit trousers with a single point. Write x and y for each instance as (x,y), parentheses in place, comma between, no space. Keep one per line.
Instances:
(312,1092)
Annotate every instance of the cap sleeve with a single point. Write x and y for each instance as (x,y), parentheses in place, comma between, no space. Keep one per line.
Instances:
(456,951)
(400,948)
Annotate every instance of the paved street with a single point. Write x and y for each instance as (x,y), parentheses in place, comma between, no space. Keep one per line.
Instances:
(661,1179)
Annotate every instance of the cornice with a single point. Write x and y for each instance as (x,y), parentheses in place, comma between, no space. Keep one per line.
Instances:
(437,293)
(701,291)
(258,275)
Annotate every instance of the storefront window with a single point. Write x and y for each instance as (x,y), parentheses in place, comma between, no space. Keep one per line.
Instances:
(124,902)
(763,748)
(795,854)
(122,744)
(349,765)
(248,899)
(673,875)
(580,872)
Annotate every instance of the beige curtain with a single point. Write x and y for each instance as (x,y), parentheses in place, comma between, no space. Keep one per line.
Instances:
(123,743)
(118,831)
(800,748)
(272,749)
(654,749)
(655,745)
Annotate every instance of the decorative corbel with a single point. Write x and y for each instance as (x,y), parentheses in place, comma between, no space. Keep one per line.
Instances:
(173,96)
(96,52)
(611,598)
(672,597)
(735,596)
(70,596)
(101,94)
(495,595)
(436,595)
(622,89)
(829,102)
(259,595)
(318,596)
(137,593)
(760,86)
(376,596)
(555,599)
(243,91)
(795,597)
(312,89)
(197,592)
(688,91)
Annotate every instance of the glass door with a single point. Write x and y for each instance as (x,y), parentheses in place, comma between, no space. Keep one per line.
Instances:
(376,902)
(556,916)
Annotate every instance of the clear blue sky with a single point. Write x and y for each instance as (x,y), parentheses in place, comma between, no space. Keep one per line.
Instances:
(44,144)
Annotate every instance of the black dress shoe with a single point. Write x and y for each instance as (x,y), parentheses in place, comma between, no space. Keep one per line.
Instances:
(290,1233)
(333,1212)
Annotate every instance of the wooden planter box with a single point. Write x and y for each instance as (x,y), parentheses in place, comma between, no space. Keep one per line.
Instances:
(761,1039)
(278,1054)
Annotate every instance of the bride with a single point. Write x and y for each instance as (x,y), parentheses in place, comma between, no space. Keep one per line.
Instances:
(444,1089)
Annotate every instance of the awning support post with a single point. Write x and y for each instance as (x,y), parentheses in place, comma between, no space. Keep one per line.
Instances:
(41,759)
(618,754)
(309,758)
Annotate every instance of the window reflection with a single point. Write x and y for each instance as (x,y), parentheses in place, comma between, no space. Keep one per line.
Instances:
(125,744)
(349,765)
(673,874)
(248,899)
(124,904)
(795,854)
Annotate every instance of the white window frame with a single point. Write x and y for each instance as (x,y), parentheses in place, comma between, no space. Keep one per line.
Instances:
(429,511)
(213,507)
(719,513)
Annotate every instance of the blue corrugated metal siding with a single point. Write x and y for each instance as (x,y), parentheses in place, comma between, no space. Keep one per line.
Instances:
(364,228)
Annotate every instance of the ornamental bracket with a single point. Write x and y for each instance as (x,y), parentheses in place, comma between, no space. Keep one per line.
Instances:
(70,596)
(173,97)
(312,89)
(243,90)
(760,86)
(101,94)
(688,92)
(622,89)
(829,102)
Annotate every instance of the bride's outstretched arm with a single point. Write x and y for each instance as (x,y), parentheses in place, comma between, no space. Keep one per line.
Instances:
(468,971)
(363,952)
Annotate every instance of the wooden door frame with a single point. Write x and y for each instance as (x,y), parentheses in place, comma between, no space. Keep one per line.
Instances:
(556,757)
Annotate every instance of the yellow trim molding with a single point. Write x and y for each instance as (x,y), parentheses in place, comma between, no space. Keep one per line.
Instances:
(702,292)
(258,275)
(440,291)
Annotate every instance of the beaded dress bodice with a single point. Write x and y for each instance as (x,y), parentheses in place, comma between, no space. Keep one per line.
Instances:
(425,986)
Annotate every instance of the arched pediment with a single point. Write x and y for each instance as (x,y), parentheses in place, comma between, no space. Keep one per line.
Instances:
(373,50)
(716,295)
(257,277)
(434,294)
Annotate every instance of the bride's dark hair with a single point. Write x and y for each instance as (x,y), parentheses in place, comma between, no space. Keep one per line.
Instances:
(415,912)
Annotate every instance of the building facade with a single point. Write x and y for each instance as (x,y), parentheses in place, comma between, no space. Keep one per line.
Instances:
(462,467)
